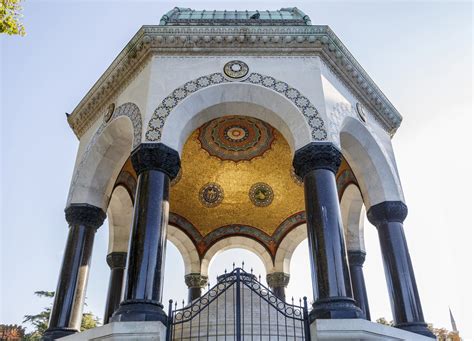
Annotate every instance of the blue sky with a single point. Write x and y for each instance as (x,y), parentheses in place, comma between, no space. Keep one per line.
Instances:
(419,54)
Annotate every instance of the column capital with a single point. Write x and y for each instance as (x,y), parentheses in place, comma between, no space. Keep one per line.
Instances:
(387,211)
(316,155)
(156,156)
(356,257)
(278,279)
(117,260)
(195,280)
(85,214)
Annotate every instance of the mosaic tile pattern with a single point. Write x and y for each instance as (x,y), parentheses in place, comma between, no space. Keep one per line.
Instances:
(211,194)
(307,109)
(261,194)
(236,138)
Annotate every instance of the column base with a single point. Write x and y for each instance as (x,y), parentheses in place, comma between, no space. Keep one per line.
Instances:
(139,311)
(335,308)
(420,328)
(56,333)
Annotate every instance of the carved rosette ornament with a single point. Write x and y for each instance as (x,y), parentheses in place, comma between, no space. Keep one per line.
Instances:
(85,214)
(195,280)
(278,280)
(236,69)
(156,156)
(316,155)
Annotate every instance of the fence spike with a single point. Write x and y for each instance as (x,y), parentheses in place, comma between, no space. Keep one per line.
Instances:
(243,263)
(233,265)
(183,303)
(251,271)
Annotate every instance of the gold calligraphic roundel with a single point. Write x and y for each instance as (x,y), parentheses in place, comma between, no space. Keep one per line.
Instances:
(211,194)
(261,194)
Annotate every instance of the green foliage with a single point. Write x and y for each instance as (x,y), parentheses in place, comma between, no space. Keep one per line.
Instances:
(10,17)
(40,321)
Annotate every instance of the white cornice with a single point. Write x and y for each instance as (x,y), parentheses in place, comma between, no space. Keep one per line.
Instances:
(227,40)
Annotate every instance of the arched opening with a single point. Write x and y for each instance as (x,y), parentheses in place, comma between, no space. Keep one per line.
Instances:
(119,214)
(101,163)
(287,248)
(353,217)
(376,174)
(258,101)
(241,243)
(300,284)
(174,286)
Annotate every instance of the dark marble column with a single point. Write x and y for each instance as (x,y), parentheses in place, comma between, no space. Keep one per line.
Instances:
(155,164)
(407,313)
(116,262)
(317,164)
(66,314)
(278,281)
(356,262)
(195,283)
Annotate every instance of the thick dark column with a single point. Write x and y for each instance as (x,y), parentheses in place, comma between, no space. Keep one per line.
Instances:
(277,281)
(356,262)
(155,164)
(66,314)
(407,313)
(195,283)
(317,164)
(116,262)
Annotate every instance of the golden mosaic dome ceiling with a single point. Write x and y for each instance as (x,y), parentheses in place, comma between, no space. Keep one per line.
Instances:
(236,170)
(236,178)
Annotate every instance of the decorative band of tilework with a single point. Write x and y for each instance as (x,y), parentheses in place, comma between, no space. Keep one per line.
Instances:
(156,156)
(307,109)
(316,155)
(85,214)
(387,211)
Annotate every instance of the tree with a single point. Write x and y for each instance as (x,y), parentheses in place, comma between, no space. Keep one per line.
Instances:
(442,334)
(10,17)
(40,320)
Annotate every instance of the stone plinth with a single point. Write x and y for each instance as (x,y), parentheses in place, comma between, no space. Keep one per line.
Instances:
(359,329)
(130,331)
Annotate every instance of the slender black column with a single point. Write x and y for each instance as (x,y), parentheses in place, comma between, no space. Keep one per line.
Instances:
(317,164)
(155,165)
(356,262)
(195,283)
(278,281)
(116,262)
(407,313)
(66,314)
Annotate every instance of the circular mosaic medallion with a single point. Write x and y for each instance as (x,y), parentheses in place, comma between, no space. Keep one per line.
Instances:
(109,112)
(236,138)
(211,194)
(261,194)
(236,69)
(361,112)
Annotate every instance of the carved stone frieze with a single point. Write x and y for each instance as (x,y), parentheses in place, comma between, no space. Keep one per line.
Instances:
(272,41)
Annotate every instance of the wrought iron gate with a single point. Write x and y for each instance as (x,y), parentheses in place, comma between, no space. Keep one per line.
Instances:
(238,307)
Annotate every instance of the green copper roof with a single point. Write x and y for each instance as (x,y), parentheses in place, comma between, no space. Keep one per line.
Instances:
(187,16)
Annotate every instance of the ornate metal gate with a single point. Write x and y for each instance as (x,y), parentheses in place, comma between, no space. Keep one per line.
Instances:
(239,307)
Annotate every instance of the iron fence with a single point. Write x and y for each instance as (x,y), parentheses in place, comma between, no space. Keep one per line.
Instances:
(239,307)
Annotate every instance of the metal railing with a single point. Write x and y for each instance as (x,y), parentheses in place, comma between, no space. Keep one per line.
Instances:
(238,307)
